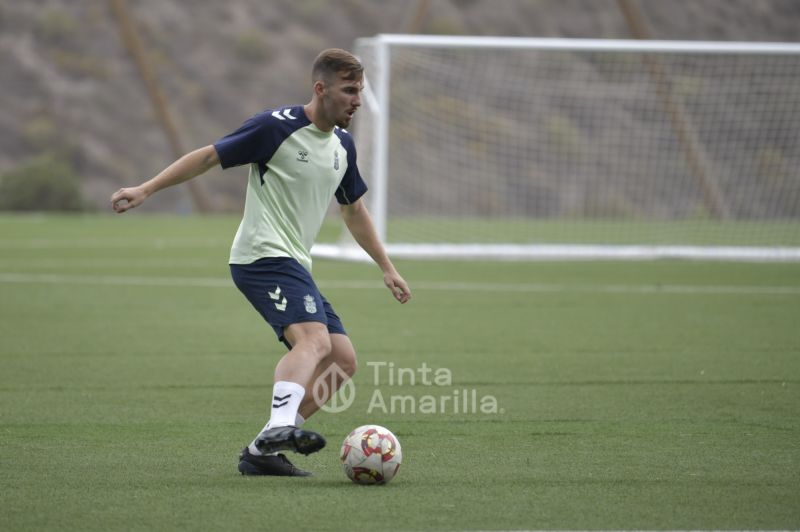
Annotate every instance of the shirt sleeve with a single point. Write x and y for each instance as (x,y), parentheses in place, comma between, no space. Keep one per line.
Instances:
(352,185)
(254,141)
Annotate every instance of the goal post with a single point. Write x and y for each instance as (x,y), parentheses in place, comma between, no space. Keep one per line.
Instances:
(523,148)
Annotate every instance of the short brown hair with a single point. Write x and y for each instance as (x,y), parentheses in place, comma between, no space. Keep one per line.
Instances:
(332,61)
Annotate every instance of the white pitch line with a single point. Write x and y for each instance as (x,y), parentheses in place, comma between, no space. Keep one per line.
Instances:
(219,282)
(121,280)
(110,262)
(126,242)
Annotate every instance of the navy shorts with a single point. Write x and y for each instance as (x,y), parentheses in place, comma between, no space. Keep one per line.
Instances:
(283,292)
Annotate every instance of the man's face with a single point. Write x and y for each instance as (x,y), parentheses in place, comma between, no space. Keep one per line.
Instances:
(342,97)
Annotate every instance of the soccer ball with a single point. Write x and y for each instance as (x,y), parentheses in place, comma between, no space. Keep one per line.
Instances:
(371,454)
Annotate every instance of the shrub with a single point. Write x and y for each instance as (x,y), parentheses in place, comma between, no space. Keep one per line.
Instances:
(45,183)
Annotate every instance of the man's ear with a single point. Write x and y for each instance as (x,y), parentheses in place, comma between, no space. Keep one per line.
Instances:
(319,87)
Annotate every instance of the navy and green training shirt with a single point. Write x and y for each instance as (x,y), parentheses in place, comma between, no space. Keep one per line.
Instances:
(295,170)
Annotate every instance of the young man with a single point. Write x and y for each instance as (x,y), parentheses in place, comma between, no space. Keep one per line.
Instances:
(299,158)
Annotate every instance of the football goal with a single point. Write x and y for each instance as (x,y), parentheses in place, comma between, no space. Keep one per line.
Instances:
(522,148)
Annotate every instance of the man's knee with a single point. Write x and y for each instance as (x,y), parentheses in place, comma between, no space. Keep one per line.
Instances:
(312,337)
(320,343)
(349,364)
(344,355)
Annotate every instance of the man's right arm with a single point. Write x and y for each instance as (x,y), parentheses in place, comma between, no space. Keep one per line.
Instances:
(189,166)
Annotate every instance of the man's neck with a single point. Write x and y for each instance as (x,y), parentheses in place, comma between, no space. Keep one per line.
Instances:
(312,112)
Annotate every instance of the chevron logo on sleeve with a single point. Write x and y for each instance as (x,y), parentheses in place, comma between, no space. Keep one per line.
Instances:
(284,114)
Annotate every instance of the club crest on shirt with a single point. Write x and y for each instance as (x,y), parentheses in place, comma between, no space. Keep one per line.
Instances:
(302,156)
(311,305)
(336,160)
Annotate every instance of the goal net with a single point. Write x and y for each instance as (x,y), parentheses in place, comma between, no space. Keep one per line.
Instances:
(512,148)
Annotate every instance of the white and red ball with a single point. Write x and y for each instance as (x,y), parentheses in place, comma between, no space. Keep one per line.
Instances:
(371,454)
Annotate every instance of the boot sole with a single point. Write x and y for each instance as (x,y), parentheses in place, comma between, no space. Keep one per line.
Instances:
(300,441)
(248,469)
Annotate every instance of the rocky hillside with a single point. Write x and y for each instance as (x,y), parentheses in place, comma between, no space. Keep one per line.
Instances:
(71,91)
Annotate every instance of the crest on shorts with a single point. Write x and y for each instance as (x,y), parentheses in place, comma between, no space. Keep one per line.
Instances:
(311,305)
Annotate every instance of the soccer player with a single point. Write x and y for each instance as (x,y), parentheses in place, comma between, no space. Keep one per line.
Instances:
(299,158)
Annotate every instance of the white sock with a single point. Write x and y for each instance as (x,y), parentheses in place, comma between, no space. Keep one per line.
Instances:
(286,399)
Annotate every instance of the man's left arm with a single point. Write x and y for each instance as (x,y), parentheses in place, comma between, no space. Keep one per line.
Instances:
(359,223)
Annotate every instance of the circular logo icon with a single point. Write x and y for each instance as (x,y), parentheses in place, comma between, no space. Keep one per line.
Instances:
(333,390)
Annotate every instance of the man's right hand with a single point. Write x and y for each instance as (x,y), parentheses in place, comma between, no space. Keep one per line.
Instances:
(127,198)
(189,166)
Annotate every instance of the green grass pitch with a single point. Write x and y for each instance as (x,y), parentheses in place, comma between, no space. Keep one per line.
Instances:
(646,395)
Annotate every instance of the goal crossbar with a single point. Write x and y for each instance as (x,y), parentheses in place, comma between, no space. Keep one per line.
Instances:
(589,45)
